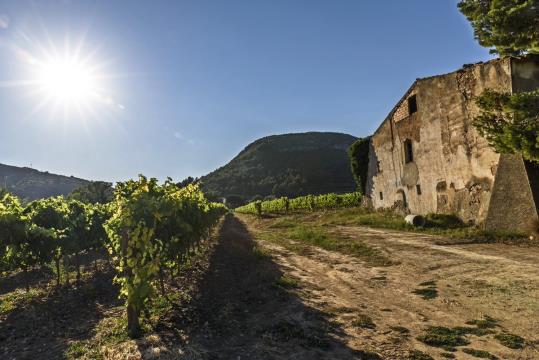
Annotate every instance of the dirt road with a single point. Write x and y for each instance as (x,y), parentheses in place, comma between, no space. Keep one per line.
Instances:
(462,283)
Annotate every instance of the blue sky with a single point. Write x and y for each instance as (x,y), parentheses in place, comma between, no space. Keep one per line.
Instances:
(185,85)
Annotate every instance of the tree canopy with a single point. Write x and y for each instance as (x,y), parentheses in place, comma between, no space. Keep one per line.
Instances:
(510,123)
(359,162)
(93,193)
(510,27)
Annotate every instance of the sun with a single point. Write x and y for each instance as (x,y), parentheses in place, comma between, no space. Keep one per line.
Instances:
(68,81)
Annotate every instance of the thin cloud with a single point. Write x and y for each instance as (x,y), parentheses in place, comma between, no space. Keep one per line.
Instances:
(4,21)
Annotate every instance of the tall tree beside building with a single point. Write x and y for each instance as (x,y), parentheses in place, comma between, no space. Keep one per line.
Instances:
(510,27)
(510,122)
(359,162)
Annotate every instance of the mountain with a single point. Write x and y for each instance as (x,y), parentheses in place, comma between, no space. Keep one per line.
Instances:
(31,184)
(286,165)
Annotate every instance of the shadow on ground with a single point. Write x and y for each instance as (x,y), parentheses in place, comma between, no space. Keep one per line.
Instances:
(43,328)
(243,311)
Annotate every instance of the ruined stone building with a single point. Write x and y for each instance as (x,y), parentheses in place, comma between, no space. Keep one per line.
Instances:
(427,157)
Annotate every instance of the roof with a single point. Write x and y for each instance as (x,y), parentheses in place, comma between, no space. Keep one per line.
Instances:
(405,96)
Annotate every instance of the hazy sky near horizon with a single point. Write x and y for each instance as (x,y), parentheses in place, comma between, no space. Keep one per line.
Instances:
(185,85)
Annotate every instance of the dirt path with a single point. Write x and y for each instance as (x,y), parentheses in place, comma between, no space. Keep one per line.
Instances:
(244,311)
(471,281)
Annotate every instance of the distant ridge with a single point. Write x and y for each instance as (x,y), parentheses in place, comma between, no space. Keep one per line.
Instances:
(286,165)
(31,184)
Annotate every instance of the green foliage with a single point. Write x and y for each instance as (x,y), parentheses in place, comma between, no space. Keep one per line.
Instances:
(510,122)
(418,355)
(305,236)
(287,282)
(511,341)
(149,230)
(443,221)
(359,162)
(258,207)
(479,353)
(510,26)
(485,323)
(151,227)
(47,230)
(309,202)
(95,192)
(288,165)
(443,337)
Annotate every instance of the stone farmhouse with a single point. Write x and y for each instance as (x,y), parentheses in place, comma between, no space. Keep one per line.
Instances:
(427,157)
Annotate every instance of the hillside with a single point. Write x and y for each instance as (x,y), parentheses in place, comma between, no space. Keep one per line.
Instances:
(33,184)
(286,165)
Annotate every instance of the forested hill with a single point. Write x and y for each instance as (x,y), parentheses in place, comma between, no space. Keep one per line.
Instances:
(286,165)
(31,184)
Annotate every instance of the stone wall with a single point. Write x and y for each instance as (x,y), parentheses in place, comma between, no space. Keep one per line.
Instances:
(515,197)
(453,168)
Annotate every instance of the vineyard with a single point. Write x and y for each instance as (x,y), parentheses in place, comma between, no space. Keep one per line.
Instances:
(309,203)
(148,230)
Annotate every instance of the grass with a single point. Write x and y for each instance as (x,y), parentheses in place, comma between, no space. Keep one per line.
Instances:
(486,323)
(428,290)
(363,321)
(287,282)
(448,355)
(511,341)
(418,355)
(479,353)
(109,332)
(305,236)
(427,293)
(18,298)
(443,337)
(449,338)
(436,224)
(261,253)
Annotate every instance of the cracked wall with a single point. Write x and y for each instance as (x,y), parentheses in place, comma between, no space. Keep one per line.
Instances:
(454,168)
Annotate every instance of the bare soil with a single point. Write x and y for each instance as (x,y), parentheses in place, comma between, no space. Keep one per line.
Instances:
(470,282)
(249,298)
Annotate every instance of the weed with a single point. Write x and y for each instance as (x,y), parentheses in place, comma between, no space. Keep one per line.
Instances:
(317,236)
(418,355)
(486,323)
(448,355)
(18,298)
(283,223)
(479,354)
(363,321)
(447,225)
(511,341)
(443,337)
(443,221)
(109,332)
(260,253)
(287,282)
(427,293)
(473,331)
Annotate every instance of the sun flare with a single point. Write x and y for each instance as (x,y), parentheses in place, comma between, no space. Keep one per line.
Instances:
(67,81)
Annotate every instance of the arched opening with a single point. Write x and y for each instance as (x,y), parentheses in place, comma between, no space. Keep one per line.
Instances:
(401,199)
